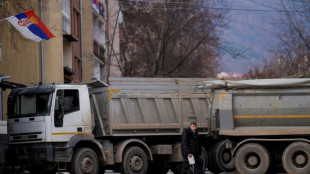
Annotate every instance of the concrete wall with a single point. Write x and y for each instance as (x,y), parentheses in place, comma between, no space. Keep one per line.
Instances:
(53,48)
(88,64)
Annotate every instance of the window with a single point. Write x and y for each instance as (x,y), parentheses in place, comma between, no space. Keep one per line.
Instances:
(101,9)
(96,48)
(66,18)
(71,102)
(29,105)
(76,22)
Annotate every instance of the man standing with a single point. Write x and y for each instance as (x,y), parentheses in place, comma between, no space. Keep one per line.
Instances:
(190,146)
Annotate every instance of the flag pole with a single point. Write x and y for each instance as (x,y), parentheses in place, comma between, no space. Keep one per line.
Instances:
(5,18)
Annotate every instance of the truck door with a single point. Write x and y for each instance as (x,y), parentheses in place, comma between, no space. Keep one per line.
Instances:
(67,114)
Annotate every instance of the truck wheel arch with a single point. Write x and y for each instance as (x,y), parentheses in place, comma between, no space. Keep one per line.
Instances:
(79,141)
(120,147)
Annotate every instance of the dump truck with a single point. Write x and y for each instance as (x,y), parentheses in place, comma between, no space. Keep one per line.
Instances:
(266,121)
(134,125)
(131,125)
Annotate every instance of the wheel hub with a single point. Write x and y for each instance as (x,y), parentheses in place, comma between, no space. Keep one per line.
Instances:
(300,159)
(136,163)
(87,165)
(226,157)
(252,161)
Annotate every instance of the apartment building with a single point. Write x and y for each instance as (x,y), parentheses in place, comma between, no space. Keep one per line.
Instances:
(85,47)
(107,17)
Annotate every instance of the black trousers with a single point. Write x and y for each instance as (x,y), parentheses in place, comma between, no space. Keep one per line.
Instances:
(196,169)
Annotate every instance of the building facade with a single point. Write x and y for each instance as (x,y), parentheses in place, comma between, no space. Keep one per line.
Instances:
(107,17)
(79,53)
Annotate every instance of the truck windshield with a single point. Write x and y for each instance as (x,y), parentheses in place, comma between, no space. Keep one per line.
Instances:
(29,105)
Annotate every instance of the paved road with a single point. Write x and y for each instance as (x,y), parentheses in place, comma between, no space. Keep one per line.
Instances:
(9,171)
(110,172)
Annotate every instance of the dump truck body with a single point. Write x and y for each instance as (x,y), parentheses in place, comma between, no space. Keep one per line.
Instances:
(152,106)
(262,107)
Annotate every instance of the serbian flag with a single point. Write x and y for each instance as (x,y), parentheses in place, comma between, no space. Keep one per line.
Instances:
(30,25)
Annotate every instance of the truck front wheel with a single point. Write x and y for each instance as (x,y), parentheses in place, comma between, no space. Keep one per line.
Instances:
(134,161)
(296,158)
(84,161)
(252,158)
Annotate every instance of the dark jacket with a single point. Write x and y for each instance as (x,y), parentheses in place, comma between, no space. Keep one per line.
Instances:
(190,143)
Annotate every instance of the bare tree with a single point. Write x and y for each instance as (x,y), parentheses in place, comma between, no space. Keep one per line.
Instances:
(172,38)
(292,56)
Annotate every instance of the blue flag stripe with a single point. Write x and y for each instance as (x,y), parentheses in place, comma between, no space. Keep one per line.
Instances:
(33,28)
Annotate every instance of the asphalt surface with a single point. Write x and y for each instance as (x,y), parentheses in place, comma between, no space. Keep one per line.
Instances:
(10,171)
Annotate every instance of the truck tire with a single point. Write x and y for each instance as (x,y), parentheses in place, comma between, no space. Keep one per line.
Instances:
(252,158)
(84,161)
(296,158)
(134,161)
(221,159)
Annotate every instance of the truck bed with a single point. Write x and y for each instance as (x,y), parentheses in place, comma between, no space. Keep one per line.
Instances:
(267,107)
(150,106)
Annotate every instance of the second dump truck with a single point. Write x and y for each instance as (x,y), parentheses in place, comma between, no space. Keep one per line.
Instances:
(134,125)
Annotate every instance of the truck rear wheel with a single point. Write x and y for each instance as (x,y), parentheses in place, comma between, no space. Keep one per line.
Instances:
(84,161)
(134,161)
(252,158)
(296,158)
(221,159)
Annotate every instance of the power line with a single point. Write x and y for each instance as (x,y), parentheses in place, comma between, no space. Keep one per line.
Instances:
(192,5)
(262,4)
(158,2)
(190,2)
(215,8)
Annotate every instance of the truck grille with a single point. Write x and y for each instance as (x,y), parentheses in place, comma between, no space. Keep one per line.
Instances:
(26,137)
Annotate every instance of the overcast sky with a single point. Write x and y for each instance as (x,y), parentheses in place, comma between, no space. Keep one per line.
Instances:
(250,31)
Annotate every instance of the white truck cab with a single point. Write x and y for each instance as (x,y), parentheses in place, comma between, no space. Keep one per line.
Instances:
(45,123)
(53,113)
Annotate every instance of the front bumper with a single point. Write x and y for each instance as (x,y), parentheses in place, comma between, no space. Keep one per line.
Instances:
(35,153)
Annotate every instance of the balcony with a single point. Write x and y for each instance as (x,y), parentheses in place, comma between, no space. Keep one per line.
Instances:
(99,51)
